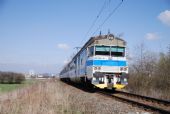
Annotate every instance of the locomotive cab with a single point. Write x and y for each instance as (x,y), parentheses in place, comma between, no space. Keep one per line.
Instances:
(109,67)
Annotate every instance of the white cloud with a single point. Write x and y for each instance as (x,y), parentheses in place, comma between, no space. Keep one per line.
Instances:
(63,46)
(66,61)
(151,36)
(164,17)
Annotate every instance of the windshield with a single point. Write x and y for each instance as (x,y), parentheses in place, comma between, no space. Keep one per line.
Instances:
(110,50)
(102,50)
(117,51)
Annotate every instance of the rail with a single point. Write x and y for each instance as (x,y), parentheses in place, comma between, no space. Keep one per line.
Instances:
(147,103)
(160,101)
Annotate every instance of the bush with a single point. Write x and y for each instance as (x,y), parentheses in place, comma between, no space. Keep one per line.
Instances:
(11,78)
(19,78)
(156,82)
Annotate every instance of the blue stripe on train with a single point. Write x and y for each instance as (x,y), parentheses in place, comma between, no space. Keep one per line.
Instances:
(105,63)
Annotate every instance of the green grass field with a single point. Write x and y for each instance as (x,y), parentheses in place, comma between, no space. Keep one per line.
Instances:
(11,87)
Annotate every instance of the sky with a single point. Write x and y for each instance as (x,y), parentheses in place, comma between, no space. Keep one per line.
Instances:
(41,35)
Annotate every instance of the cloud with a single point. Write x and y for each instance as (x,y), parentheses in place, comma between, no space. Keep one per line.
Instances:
(63,46)
(164,17)
(66,62)
(151,36)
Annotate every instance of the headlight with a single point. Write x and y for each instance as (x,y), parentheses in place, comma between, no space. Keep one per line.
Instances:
(97,68)
(123,68)
(125,80)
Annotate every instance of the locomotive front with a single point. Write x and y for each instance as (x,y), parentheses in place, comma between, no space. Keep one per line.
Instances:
(106,63)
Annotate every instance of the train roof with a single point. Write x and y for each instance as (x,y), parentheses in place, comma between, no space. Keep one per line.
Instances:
(109,39)
(102,40)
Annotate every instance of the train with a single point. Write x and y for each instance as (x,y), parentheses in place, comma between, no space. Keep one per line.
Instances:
(101,62)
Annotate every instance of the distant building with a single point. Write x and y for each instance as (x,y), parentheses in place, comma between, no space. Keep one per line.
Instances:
(27,76)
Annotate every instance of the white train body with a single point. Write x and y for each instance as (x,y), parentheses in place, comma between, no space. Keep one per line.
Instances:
(101,62)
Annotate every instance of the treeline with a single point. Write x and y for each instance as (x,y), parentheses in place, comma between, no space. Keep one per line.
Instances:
(11,78)
(150,74)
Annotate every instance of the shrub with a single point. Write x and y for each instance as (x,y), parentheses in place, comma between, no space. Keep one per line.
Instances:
(156,82)
(19,78)
(11,77)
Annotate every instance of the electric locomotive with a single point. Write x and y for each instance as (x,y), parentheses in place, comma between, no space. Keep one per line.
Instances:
(100,62)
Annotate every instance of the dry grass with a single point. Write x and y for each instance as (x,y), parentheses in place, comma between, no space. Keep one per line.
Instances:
(55,97)
(43,98)
(49,97)
(156,86)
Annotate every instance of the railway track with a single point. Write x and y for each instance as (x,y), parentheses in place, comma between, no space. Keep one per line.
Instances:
(147,103)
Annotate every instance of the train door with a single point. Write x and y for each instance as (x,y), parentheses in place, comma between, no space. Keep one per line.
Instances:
(77,66)
(85,66)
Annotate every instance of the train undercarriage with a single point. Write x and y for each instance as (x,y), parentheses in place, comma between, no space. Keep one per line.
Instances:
(109,80)
(101,80)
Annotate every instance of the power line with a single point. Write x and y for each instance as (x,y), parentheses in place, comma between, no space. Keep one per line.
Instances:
(113,11)
(95,20)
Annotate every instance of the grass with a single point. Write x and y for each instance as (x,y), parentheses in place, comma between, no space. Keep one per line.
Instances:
(55,97)
(8,87)
(11,87)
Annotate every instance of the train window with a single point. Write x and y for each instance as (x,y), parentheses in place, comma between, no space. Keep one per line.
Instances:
(74,61)
(118,51)
(81,61)
(91,51)
(102,50)
(117,54)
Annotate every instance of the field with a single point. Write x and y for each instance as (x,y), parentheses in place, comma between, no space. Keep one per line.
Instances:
(55,97)
(11,87)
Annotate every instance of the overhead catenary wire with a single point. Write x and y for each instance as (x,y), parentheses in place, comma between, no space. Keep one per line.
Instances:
(110,14)
(95,20)
(104,6)
(100,12)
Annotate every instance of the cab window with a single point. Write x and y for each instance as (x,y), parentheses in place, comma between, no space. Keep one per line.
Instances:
(91,51)
(117,51)
(102,50)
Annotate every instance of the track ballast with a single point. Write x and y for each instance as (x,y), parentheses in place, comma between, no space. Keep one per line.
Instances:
(147,103)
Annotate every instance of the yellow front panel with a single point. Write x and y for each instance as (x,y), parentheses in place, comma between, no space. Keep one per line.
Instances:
(117,86)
